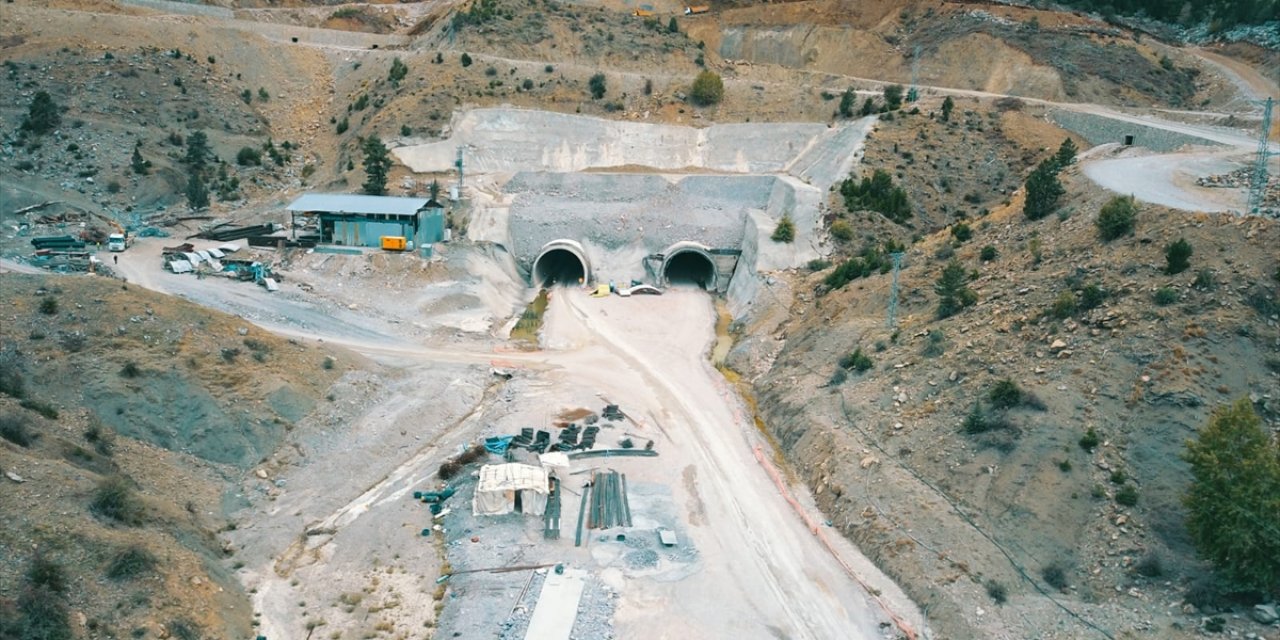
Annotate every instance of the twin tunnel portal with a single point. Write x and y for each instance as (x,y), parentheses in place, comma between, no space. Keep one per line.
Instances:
(565,262)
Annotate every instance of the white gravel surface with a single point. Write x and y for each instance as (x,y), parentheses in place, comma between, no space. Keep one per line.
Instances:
(1170,179)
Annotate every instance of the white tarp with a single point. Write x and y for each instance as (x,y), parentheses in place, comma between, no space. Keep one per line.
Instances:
(229,247)
(499,485)
(557,459)
(180,266)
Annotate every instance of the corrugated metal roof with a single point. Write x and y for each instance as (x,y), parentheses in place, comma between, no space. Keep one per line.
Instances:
(348,203)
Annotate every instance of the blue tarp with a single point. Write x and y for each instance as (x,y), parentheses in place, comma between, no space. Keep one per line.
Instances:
(498,445)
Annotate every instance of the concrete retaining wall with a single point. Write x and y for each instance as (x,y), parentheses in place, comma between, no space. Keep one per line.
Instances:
(510,140)
(1101,130)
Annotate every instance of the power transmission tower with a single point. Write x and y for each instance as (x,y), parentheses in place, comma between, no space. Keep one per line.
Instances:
(914,92)
(1258,181)
(893,291)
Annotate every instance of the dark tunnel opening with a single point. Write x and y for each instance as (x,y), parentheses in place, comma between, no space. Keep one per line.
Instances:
(558,266)
(690,268)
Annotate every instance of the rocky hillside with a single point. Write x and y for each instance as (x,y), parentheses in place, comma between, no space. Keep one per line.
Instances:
(125,416)
(1059,508)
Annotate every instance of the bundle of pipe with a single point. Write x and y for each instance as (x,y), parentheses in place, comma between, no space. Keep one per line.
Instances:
(609,504)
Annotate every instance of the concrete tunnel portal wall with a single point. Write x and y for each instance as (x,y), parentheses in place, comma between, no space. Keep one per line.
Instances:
(561,262)
(689,263)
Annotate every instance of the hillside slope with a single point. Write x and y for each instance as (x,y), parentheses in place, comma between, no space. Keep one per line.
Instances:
(127,418)
(951,514)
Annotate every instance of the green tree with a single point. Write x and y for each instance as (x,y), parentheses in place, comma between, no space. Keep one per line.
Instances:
(377,163)
(1116,217)
(847,100)
(1177,257)
(596,85)
(948,105)
(1233,502)
(198,152)
(465,59)
(197,192)
(868,107)
(1043,191)
(785,231)
(953,295)
(673,26)
(137,163)
(398,71)
(1066,154)
(43,115)
(707,89)
(877,193)
(249,156)
(893,97)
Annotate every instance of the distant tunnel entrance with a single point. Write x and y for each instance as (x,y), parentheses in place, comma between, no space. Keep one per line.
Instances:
(689,267)
(561,262)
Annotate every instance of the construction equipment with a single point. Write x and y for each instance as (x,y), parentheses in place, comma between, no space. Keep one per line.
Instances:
(117,242)
(393,243)
(696,11)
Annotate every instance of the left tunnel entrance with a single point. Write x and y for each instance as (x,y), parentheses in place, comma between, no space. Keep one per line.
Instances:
(558,266)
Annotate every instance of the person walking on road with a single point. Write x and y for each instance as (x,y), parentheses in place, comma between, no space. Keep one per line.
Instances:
(116,259)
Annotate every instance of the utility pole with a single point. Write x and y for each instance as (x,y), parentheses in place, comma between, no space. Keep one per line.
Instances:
(893,291)
(1258,181)
(458,164)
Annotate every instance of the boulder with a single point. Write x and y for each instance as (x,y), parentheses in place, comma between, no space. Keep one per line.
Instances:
(1265,613)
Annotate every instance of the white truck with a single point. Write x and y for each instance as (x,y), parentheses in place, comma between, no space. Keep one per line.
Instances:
(117,242)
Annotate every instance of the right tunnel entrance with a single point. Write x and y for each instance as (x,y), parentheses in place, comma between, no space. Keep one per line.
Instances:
(689,267)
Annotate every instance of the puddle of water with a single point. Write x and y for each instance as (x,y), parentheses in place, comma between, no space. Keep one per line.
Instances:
(724,341)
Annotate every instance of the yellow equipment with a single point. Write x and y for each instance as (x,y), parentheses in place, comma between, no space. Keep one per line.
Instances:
(393,243)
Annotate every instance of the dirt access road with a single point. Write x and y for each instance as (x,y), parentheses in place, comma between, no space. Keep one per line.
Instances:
(770,575)
(762,572)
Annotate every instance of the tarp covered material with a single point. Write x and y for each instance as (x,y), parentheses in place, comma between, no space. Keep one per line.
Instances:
(602,291)
(500,483)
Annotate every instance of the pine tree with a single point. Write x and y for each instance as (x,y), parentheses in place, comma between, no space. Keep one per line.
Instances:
(597,86)
(948,105)
(846,103)
(893,97)
(198,152)
(1066,154)
(1043,191)
(43,115)
(197,192)
(953,295)
(377,163)
(1233,503)
(139,164)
